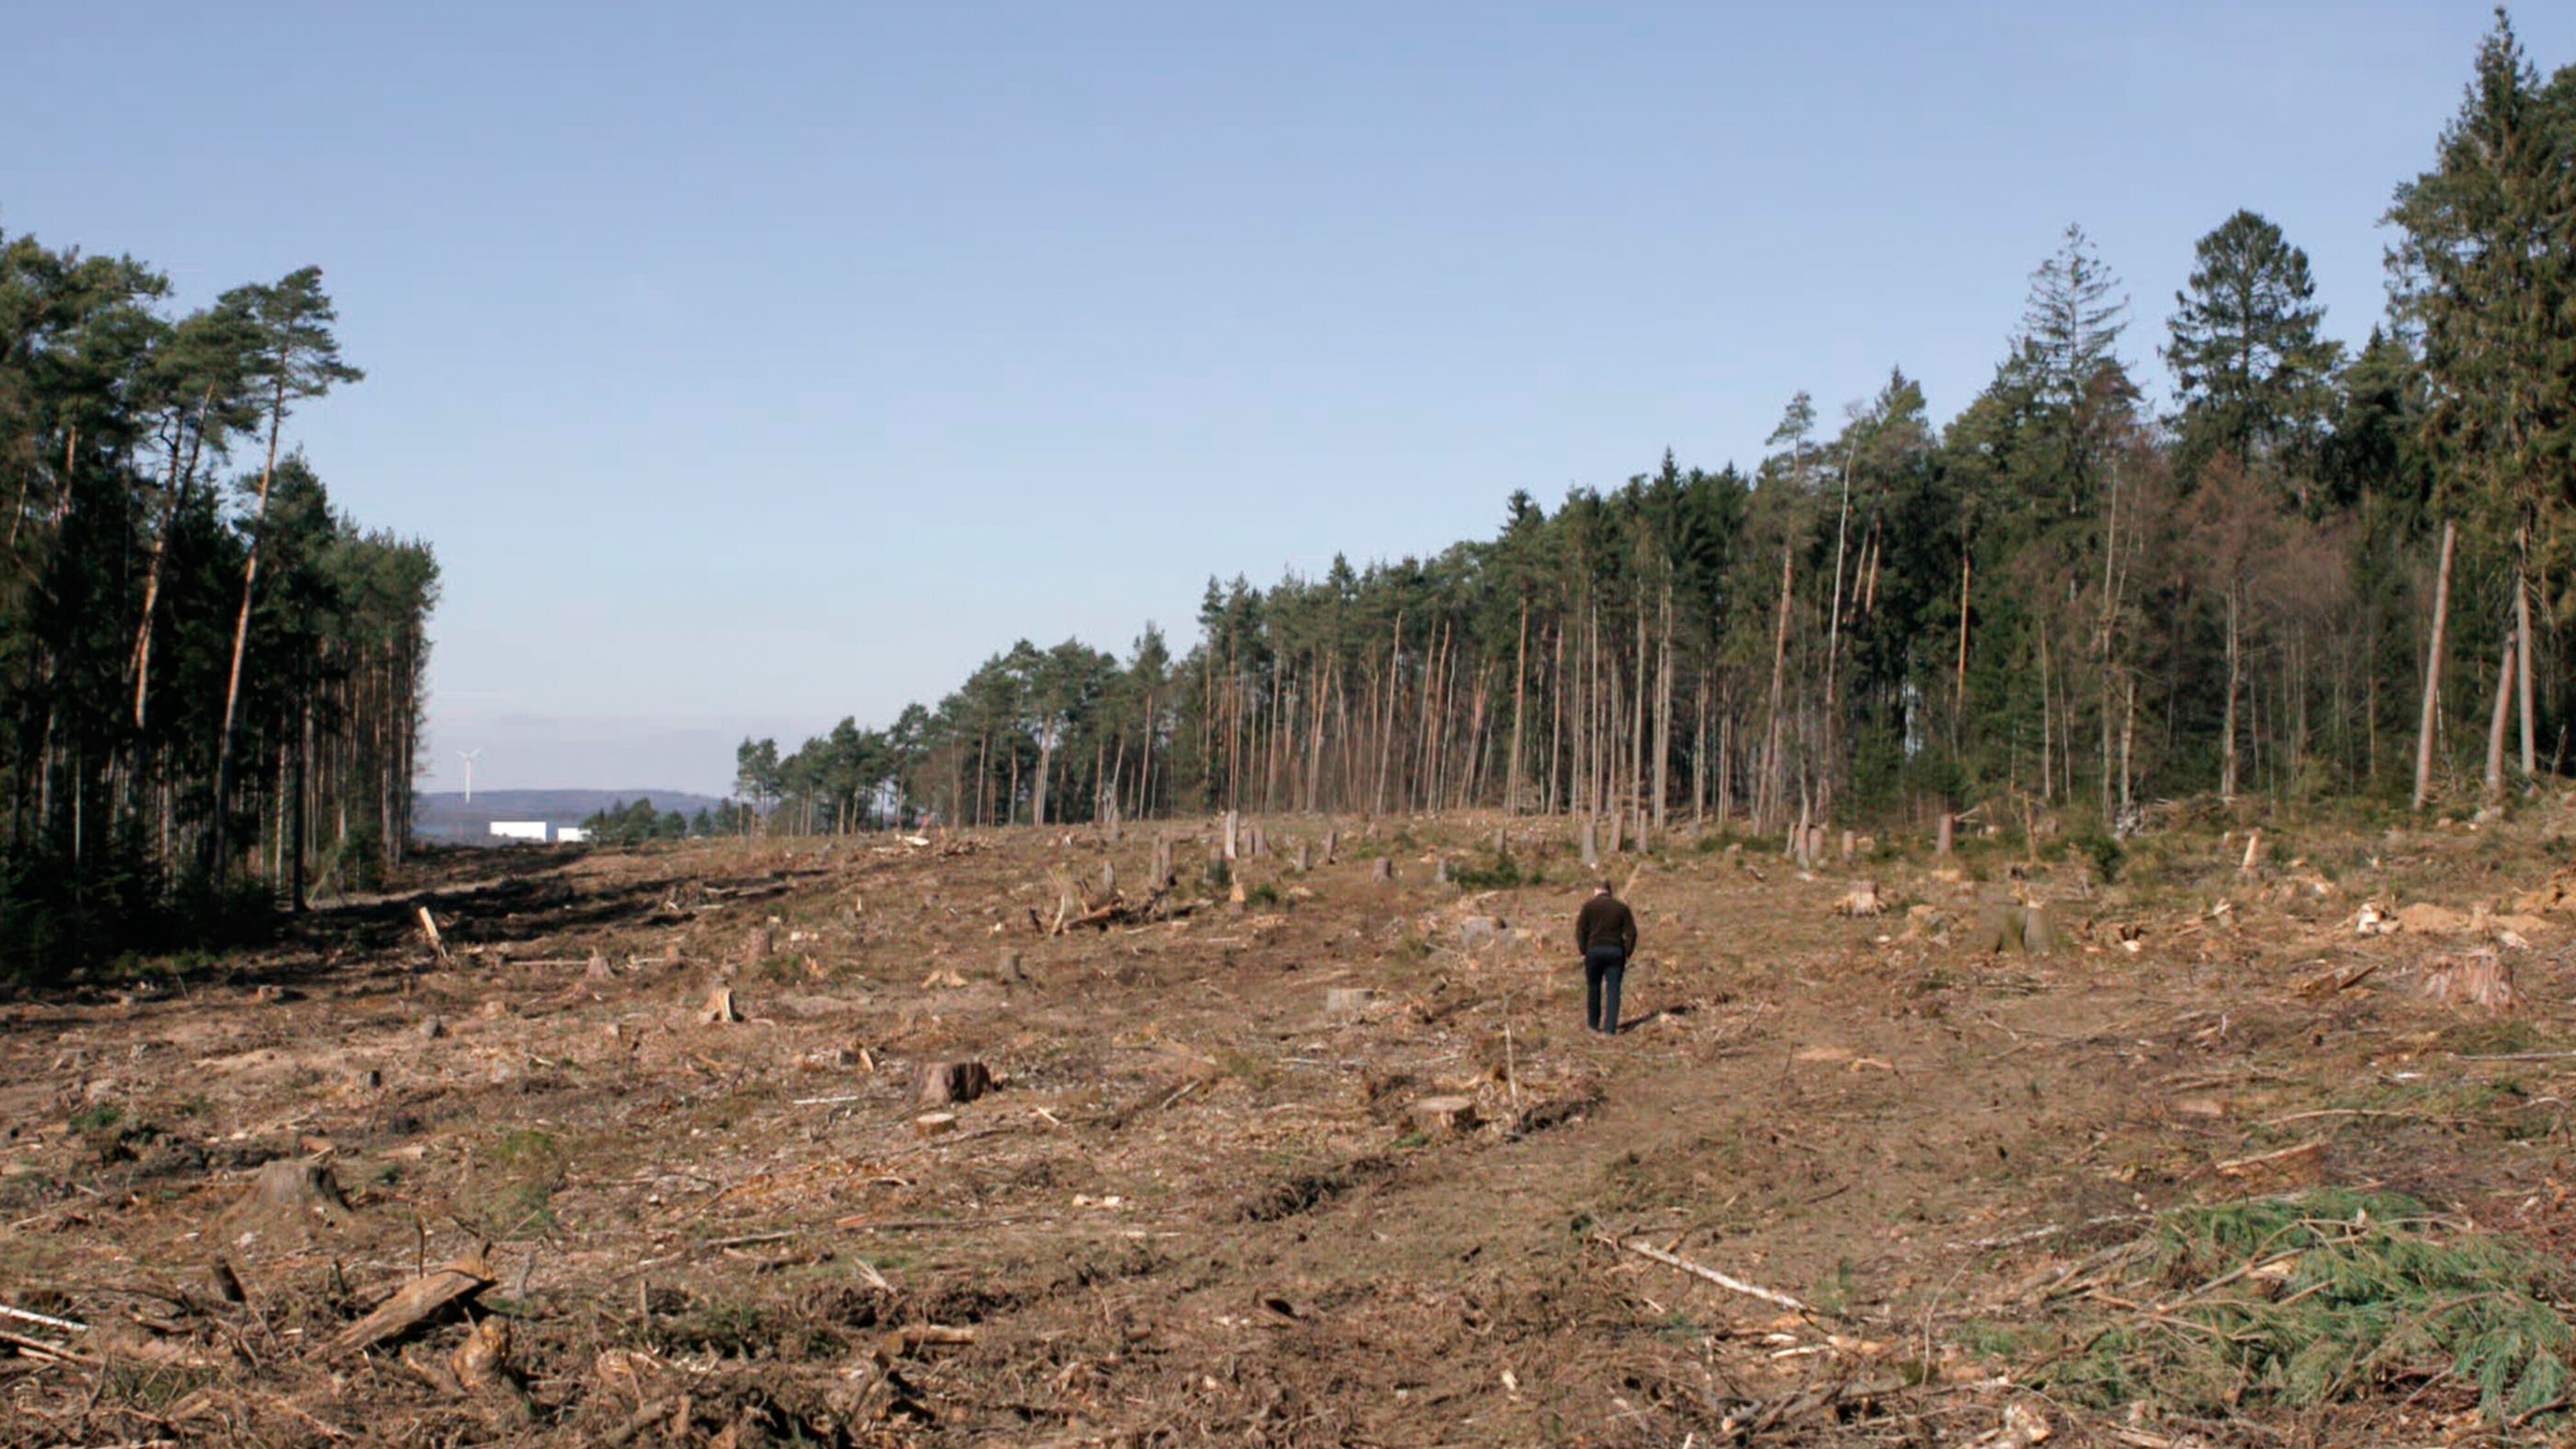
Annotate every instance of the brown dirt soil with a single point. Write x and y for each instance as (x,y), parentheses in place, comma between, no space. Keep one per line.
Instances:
(1197,1206)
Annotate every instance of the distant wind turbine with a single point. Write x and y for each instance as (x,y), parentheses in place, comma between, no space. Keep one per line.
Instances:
(469,757)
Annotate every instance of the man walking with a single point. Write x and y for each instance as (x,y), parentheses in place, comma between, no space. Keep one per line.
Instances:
(1605,932)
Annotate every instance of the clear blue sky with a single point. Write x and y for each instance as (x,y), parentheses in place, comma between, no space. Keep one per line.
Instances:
(754,365)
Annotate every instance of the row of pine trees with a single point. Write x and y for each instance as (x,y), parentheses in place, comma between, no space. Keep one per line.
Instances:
(2322,572)
(210,680)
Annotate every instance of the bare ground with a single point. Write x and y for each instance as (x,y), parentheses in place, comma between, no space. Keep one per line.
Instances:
(1199,1207)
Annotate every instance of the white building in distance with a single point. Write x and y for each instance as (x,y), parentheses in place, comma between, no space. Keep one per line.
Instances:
(535,830)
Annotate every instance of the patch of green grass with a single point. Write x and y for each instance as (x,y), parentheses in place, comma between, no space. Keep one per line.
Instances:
(1244,1067)
(90,1121)
(2377,1295)
(2497,1036)
(1265,896)
(512,1182)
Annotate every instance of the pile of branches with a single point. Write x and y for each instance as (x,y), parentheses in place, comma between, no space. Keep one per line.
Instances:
(2319,1299)
(1074,910)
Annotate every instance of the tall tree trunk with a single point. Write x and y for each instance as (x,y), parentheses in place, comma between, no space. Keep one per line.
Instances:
(1636,791)
(2235,672)
(241,640)
(1663,709)
(1833,650)
(1774,780)
(2496,722)
(2433,669)
(1520,701)
(2522,662)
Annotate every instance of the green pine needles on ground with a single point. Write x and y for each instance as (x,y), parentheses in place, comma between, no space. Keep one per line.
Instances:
(2321,1298)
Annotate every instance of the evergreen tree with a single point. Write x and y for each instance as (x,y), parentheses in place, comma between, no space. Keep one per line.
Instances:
(2254,376)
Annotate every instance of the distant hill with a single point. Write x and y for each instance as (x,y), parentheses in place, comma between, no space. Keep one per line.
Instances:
(445,815)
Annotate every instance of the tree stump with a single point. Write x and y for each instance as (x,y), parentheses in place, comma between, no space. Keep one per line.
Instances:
(934,1124)
(1332,841)
(1591,847)
(1618,821)
(1479,931)
(1162,862)
(597,967)
(937,1084)
(1305,858)
(1347,1000)
(1382,869)
(1233,827)
(1847,847)
(2038,931)
(1943,832)
(1008,968)
(1108,880)
(291,1192)
(1440,870)
(719,1008)
(2480,978)
(484,1356)
(1444,1116)
(761,945)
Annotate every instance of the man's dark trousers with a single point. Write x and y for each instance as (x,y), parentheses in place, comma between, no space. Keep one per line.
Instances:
(1603,965)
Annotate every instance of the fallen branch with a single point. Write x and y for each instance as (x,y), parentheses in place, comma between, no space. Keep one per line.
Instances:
(1644,1249)
(23,1316)
(42,1349)
(412,1304)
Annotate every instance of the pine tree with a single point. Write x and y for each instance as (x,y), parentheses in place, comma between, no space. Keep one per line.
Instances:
(2254,376)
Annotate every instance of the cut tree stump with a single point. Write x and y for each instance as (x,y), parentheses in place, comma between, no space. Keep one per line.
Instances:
(1347,1000)
(597,967)
(934,1124)
(1382,869)
(719,1008)
(1445,1116)
(2039,930)
(291,1191)
(415,1303)
(1480,931)
(1943,833)
(761,945)
(1305,858)
(2479,978)
(937,1084)
(429,928)
(1009,969)
(481,1360)
(1861,900)
(1332,842)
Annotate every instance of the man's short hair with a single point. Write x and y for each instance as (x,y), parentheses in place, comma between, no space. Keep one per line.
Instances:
(1602,886)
